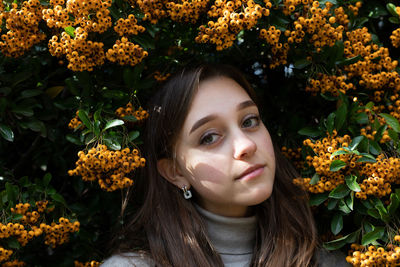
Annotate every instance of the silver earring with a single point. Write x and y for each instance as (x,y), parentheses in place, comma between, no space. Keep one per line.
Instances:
(186,192)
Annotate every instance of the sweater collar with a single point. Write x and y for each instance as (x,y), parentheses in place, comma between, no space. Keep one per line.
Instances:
(230,235)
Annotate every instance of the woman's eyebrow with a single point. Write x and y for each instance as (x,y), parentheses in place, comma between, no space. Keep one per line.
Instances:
(243,105)
(202,121)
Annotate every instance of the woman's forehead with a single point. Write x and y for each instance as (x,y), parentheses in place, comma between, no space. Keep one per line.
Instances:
(217,95)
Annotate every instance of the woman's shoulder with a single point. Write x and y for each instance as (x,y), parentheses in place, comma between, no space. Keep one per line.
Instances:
(331,258)
(128,259)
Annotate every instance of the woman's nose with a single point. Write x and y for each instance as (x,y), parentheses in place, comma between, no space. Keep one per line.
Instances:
(243,146)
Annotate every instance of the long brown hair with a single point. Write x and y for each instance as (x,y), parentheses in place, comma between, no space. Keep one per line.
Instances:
(169,229)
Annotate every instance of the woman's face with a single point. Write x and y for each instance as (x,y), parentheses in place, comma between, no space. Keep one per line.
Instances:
(224,150)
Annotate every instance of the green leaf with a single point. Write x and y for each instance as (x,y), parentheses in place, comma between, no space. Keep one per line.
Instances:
(113,123)
(35,125)
(314,179)
(112,143)
(12,192)
(348,61)
(128,76)
(341,115)
(46,179)
(366,158)
(356,141)
(83,115)
(24,111)
(350,201)
(317,199)
(374,147)
(340,242)
(133,135)
(394,203)
(370,237)
(96,128)
(332,203)
(374,213)
(351,182)
(339,152)
(310,131)
(392,9)
(394,20)
(391,121)
(30,93)
(343,207)
(301,63)
(97,115)
(337,165)
(73,139)
(379,133)
(12,242)
(393,135)
(361,118)
(130,118)
(115,94)
(58,198)
(339,192)
(330,122)
(16,216)
(70,30)
(6,132)
(337,223)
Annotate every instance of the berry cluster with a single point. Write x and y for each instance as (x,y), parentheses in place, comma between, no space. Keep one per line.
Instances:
(341,17)
(75,122)
(80,53)
(279,50)
(14,263)
(375,61)
(29,227)
(185,10)
(319,26)
(58,233)
(140,114)
(128,26)
(294,155)
(395,37)
(23,28)
(321,161)
(5,253)
(91,16)
(153,10)
(329,83)
(27,216)
(112,169)
(126,53)
(230,21)
(375,256)
(160,77)
(289,6)
(367,130)
(381,174)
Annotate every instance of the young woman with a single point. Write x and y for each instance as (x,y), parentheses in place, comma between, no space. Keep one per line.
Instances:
(218,192)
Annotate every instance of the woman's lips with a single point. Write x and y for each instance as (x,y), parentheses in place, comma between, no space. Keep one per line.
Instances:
(251,173)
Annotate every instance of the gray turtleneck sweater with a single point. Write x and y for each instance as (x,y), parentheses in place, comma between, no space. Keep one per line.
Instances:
(233,238)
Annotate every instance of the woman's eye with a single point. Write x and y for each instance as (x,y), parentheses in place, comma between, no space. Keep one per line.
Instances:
(209,139)
(251,122)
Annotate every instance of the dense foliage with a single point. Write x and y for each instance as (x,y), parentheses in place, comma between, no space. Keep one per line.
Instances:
(75,76)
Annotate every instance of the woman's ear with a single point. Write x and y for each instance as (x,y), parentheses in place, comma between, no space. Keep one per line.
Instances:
(171,173)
